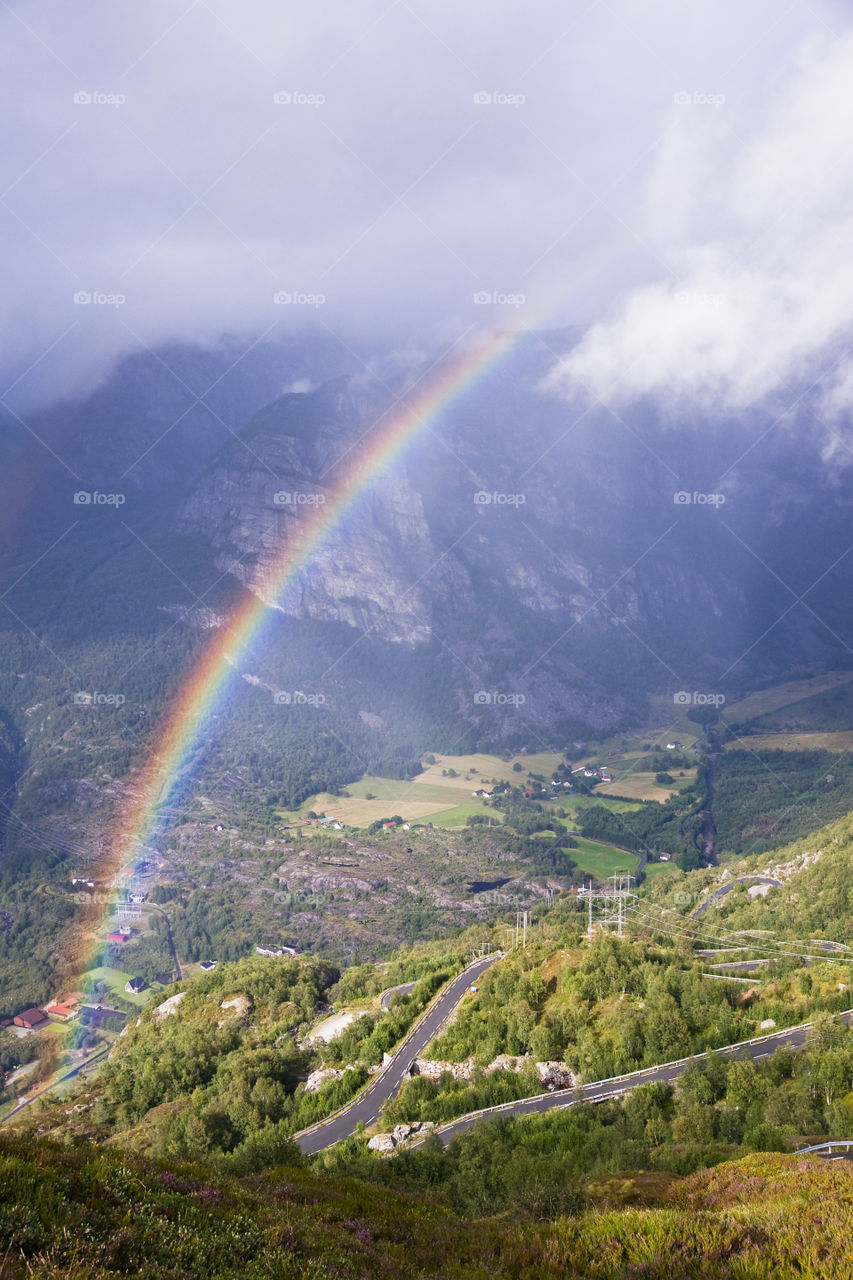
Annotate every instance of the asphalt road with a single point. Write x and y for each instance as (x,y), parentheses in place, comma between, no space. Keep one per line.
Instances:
(51,1084)
(367,1106)
(727,888)
(404,989)
(761,1047)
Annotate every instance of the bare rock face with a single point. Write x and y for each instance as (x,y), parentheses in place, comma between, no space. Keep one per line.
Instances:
(388,1143)
(553,1075)
(318,1078)
(382,1142)
(556,1075)
(253,502)
(434,1070)
(169,1006)
(236,1006)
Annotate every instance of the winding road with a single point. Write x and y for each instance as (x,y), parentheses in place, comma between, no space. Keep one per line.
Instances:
(757,1048)
(366,1107)
(404,989)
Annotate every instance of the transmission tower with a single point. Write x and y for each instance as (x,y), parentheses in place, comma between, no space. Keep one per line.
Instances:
(612,901)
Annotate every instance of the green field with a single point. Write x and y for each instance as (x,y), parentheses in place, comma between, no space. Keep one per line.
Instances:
(832,741)
(431,796)
(767,701)
(115,980)
(655,869)
(601,860)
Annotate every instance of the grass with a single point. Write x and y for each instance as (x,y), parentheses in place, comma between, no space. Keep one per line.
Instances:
(115,980)
(430,797)
(576,804)
(784,695)
(642,786)
(655,869)
(838,741)
(93,1213)
(601,860)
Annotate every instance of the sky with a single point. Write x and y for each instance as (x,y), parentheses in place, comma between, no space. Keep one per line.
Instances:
(672,177)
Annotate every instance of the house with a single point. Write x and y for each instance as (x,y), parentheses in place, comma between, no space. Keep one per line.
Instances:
(30,1019)
(135,986)
(482,793)
(273,952)
(675,746)
(665,857)
(219,827)
(605,775)
(590,773)
(207,966)
(116,937)
(61,1012)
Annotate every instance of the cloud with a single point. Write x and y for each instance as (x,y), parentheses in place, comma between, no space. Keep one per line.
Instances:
(751,214)
(196,160)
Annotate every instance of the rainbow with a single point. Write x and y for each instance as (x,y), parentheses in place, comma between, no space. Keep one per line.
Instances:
(181,730)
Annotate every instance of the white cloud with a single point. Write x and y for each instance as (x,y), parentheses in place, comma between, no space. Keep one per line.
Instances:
(397,196)
(750,212)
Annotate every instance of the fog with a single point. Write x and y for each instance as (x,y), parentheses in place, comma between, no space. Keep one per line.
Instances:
(398,173)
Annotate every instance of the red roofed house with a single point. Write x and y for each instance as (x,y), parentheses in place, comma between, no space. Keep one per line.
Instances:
(61,1012)
(116,937)
(29,1018)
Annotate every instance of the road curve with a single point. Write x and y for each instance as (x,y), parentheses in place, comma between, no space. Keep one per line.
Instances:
(404,989)
(601,1090)
(67,1075)
(367,1105)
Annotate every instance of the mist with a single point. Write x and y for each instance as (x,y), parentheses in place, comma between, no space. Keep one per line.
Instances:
(398,174)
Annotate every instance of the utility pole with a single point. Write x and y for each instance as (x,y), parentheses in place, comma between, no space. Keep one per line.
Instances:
(524,943)
(589,900)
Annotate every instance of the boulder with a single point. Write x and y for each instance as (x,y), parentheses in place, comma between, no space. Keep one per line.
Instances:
(556,1075)
(169,1006)
(383,1142)
(317,1079)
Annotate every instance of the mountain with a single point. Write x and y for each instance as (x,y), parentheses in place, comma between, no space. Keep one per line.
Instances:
(527,574)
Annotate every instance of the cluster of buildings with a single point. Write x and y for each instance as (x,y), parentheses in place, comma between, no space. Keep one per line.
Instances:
(64,1009)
